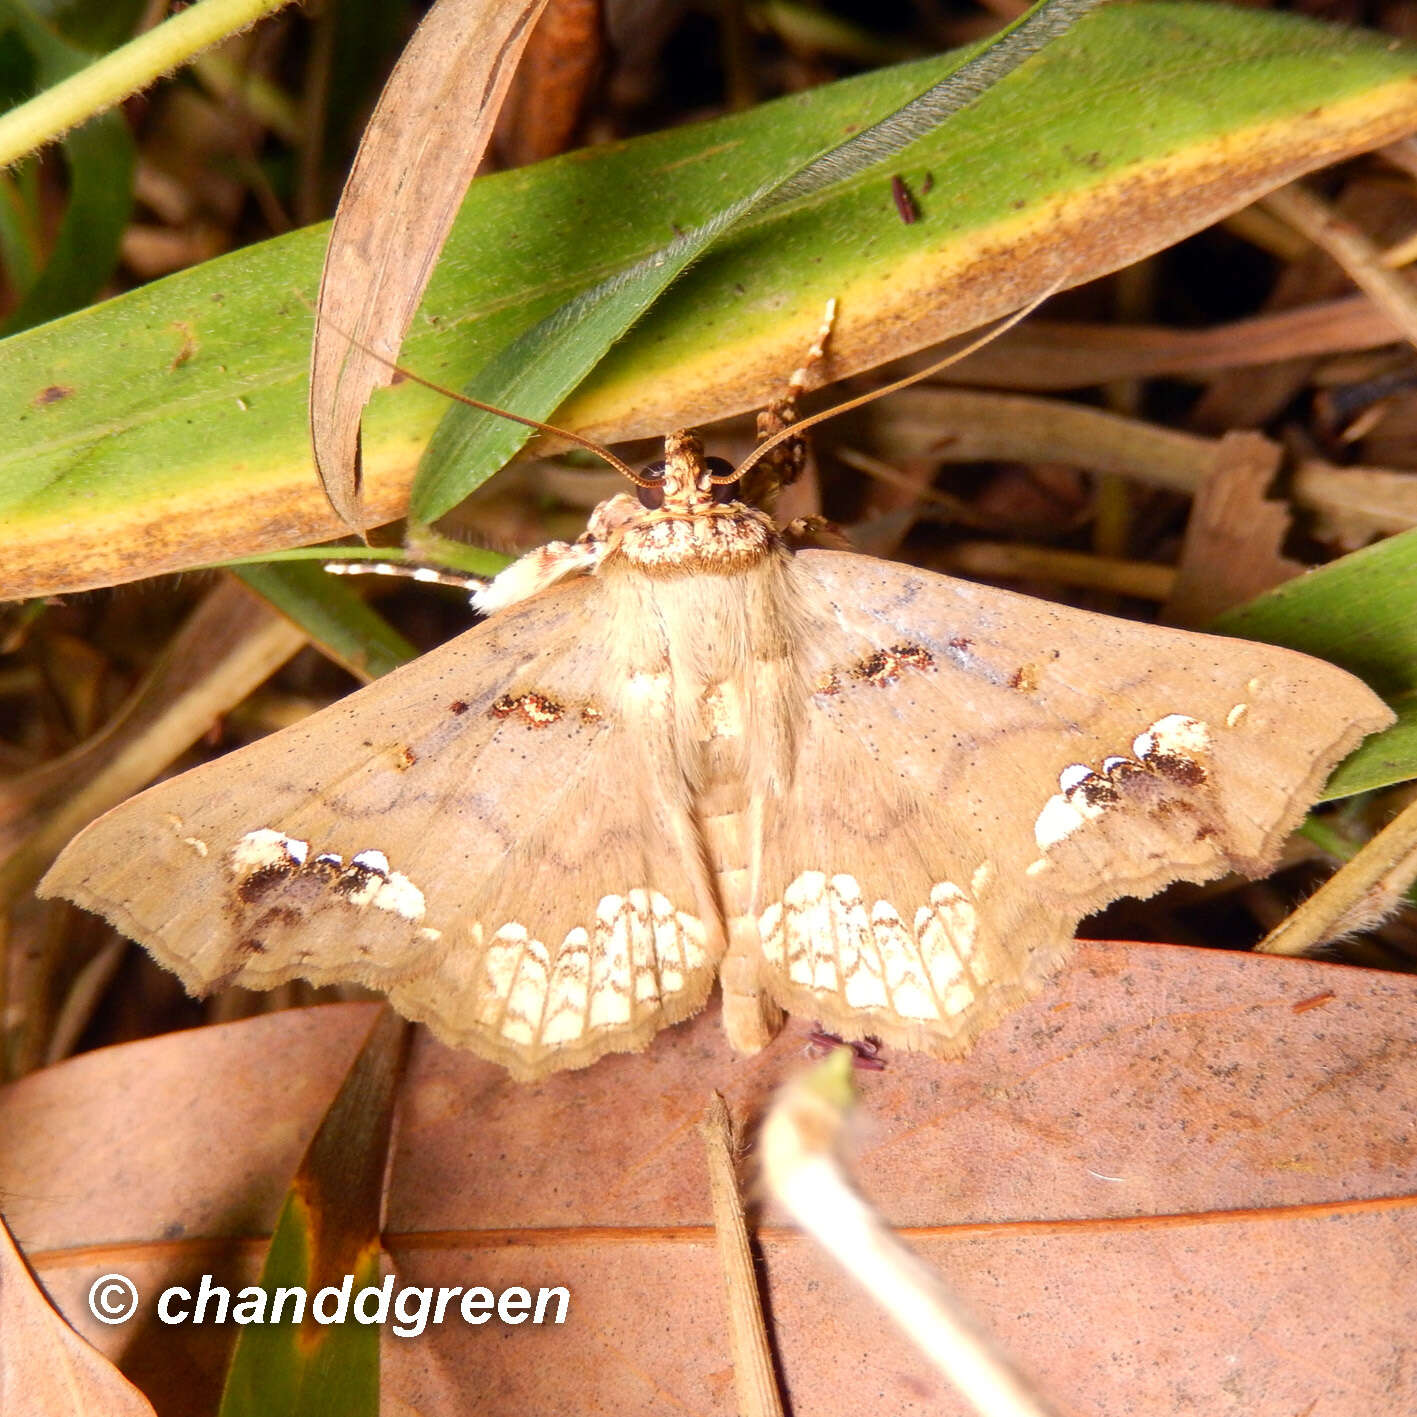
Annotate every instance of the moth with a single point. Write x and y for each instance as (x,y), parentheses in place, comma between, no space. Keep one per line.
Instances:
(695,746)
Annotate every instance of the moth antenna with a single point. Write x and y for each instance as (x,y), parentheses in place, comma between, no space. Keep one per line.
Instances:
(783,434)
(589,444)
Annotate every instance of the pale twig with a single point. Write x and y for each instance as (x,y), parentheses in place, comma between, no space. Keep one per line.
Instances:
(797,1149)
(82,1000)
(1007,560)
(1392,292)
(959,425)
(1357,895)
(753,1376)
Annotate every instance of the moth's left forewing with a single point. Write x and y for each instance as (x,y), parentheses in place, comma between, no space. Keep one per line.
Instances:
(486,835)
(979,770)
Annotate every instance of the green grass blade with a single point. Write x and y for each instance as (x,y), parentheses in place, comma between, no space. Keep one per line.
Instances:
(328,1230)
(1360,612)
(343,625)
(166,429)
(1384,760)
(101,158)
(541,367)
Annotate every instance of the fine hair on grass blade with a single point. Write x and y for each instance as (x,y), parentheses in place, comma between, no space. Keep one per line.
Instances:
(543,365)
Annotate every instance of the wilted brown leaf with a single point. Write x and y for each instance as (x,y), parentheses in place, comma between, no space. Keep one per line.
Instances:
(46,1369)
(1233,538)
(419,152)
(1056,354)
(561,63)
(1168,1182)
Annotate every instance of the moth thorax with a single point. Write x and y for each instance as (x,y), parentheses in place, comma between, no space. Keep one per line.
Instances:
(723,540)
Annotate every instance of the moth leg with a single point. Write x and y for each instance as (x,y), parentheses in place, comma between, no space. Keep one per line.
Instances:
(805,533)
(785,463)
(558,560)
(427,575)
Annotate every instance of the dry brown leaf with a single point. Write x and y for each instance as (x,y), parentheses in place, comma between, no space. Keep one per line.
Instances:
(1382,208)
(46,1369)
(228,646)
(1180,1180)
(1231,551)
(562,59)
(419,152)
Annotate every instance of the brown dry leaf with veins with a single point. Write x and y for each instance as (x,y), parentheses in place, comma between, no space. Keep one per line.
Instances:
(419,152)
(46,1368)
(1205,1152)
(689,746)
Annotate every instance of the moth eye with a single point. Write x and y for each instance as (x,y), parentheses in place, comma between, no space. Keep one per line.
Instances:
(652,498)
(722,491)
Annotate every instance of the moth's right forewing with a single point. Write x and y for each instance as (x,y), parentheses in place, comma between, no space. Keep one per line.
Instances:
(475,833)
(980,770)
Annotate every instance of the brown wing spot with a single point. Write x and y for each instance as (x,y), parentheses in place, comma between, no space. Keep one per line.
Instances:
(251,946)
(265,861)
(404,757)
(828,683)
(1187,771)
(961,642)
(1024,678)
(1123,770)
(458,706)
(279,915)
(591,714)
(1096,791)
(885,666)
(535,710)
(264,879)
(356,877)
(1168,755)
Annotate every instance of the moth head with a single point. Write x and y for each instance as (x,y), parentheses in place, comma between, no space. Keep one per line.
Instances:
(684,482)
